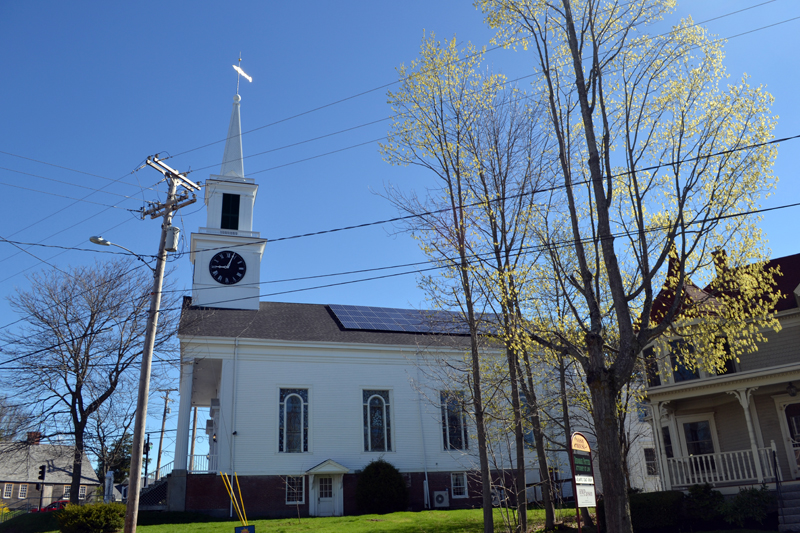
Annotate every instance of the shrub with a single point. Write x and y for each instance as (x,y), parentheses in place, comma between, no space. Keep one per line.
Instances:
(704,506)
(651,512)
(381,489)
(92,518)
(750,505)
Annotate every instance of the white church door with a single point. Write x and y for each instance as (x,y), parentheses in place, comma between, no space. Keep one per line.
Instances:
(325,501)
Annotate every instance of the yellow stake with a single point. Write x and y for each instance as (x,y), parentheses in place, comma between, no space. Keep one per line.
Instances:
(229,488)
(241,500)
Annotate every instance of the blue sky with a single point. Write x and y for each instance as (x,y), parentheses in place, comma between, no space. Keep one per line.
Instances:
(98,87)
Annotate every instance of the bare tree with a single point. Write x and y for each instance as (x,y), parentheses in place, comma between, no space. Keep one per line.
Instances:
(80,343)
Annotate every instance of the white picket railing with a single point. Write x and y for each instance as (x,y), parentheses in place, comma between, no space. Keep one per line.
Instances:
(202,464)
(722,467)
(152,477)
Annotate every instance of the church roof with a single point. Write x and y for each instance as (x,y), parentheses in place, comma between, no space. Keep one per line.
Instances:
(297,322)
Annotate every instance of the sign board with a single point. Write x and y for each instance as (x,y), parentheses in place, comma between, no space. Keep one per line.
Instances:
(244,529)
(582,471)
(585,496)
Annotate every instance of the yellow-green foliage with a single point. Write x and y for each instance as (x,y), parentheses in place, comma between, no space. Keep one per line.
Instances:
(92,518)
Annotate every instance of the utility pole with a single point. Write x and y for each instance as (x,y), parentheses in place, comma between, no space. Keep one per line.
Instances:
(163,427)
(166,210)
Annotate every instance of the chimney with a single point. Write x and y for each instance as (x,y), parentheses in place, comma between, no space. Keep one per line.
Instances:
(720,262)
(33,438)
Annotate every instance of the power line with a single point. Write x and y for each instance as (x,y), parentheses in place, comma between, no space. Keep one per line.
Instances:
(400,80)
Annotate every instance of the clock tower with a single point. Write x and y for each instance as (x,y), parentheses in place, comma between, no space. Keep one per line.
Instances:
(226,253)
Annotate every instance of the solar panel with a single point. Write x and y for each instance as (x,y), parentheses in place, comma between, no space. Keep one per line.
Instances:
(357,317)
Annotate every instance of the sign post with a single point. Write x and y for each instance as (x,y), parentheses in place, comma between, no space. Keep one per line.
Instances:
(580,458)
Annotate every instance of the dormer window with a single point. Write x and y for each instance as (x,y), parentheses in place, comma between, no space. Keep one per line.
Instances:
(230,211)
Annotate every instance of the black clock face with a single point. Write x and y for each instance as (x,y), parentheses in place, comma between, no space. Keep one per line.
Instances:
(227,267)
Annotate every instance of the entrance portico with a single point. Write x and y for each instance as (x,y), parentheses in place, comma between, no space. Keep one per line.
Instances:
(326,495)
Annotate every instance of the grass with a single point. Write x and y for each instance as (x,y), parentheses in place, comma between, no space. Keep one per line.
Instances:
(467,521)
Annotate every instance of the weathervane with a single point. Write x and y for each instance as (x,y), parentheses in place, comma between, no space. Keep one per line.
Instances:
(241,73)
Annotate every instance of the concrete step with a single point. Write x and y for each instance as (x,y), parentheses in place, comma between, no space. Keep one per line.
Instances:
(789,527)
(789,518)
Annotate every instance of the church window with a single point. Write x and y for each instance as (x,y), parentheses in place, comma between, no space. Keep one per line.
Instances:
(295,489)
(8,490)
(293,421)
(454,421)
(230,211)
(458,481)
(377,421)
(23,491)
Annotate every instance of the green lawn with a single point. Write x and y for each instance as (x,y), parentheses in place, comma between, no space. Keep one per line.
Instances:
(470,521)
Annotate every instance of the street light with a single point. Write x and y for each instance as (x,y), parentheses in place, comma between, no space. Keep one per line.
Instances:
(103,242)
(137,446)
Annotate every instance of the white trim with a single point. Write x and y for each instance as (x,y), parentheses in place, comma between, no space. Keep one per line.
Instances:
(687,419)
(463,476)
(781,401)
(302,492)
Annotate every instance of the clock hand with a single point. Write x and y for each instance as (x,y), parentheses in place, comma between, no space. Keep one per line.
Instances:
(231,261)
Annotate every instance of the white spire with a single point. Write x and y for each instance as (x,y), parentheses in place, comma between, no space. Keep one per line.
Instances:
(232,164)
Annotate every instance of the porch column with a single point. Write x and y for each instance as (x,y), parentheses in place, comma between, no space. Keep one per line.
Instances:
(659,438)
(743,395)
(184,414)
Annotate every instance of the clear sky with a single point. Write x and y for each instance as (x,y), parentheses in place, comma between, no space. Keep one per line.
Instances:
(97,87)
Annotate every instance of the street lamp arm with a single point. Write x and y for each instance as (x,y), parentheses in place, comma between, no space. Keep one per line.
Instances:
(104,242)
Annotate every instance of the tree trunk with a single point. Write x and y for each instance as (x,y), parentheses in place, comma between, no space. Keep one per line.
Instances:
(520,498)
(615,496)
(77,464)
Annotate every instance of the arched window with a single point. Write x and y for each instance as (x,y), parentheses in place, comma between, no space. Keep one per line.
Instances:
(454,421)
(293,430)
(377,421)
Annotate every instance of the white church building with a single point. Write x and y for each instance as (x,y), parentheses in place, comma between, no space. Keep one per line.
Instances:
(301,397)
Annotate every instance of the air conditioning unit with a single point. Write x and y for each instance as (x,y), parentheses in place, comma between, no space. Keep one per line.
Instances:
(441,498)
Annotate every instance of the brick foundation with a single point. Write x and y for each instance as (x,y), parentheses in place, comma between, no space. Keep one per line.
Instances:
(265,496)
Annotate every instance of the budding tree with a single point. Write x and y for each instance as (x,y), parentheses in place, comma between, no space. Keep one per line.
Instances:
(659,161)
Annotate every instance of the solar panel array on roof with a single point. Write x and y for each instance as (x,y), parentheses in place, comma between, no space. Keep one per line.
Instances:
(400,320)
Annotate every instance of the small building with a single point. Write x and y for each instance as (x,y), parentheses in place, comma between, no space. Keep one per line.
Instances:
(20,464)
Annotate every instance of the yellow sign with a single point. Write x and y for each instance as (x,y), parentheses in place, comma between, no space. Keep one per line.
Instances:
(580,443)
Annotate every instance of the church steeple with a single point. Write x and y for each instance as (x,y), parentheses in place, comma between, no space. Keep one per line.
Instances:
(227,253)
(232,159)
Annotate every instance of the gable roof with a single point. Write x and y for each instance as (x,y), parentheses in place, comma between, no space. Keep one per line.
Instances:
(19,463)
(787,283)
(297,322)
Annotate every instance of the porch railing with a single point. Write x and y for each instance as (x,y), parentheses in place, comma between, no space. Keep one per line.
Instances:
(202,464)
(723,467)
(152,477)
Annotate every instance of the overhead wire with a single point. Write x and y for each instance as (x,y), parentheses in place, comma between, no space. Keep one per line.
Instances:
(400,80)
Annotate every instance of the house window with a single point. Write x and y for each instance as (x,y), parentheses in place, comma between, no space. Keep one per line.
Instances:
(667,442)
(650,461)
(82,492)
(293,419)
(454,423)
(458,482)
(698,437)
(295,489)
(377,421)
(528,437)
(230,211)
(8,490)
(651,368)
(23,491)
(680,372)
(67,490)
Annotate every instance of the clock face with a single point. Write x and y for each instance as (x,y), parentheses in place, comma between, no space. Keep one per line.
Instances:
(227,267)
